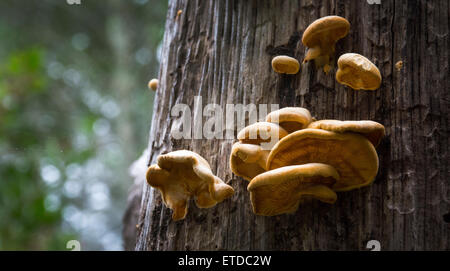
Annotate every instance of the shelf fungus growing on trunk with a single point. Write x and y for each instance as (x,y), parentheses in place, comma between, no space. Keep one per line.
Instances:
(285,64)
(261,132)
(357,72)
(321,36)
(281,190)
(249,156)
(308,159)
(183,174)
(372,130)
(351,154)
(290,118)
(248,160)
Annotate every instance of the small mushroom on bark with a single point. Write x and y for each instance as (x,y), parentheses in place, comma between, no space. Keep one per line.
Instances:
(183,174)
(351,154)
(372,130)
(179,12)
(153,84)
(290,118)
(358,72)
(285,64)
(281,190)
(321,36)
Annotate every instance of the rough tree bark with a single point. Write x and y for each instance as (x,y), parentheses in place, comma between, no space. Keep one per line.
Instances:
(221,50)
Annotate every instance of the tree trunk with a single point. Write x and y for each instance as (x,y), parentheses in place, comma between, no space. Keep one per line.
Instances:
(222,51)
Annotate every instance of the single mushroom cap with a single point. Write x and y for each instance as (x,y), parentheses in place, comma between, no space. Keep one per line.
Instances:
(182,174)
(290,118)
(281,190)
(358,72)
(351,154)
(261,132)
(153,84)
(285,64)
(248,160)
(372,130)
(321,36)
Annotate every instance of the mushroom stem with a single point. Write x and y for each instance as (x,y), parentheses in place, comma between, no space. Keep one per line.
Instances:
(312,53)
(320,192)
(179,208)
(324,62)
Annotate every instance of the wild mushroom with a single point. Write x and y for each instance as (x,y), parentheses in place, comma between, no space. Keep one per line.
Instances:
(372,130)
(182,174)
(357,72)
(248,160)
(261,132)
(290,118)
(321,36)
(285,64)
(179,12)
(281,190)
(153,84)
(249,156)
(352,155)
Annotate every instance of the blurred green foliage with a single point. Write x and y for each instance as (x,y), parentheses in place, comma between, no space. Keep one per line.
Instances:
(25,218)
(74,113)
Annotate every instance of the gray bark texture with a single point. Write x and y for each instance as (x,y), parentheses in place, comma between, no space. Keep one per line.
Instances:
(222,51)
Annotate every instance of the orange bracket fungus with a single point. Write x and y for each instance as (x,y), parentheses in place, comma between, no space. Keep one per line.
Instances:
(183,174)
(351,154)
(310,159)
(372,130)
(261,132)
(321,36)
(153,84)
(248,160)
(281,190)
(290,118)
(358,72)
(249,156)
(285,64)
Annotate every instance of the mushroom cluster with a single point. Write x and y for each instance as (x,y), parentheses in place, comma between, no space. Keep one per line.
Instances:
(320,37)
(249,156)
(310,159)
(180,175)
